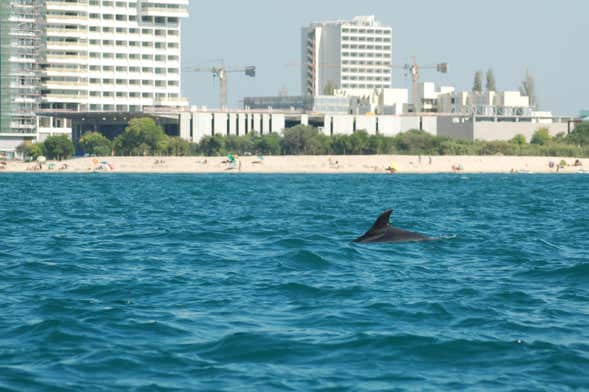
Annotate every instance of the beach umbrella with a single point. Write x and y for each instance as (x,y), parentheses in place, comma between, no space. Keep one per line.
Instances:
(231,158)
(394,166)
(41,159)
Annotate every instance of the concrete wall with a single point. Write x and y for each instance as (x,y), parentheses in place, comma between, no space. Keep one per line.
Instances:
(233,123)
(342,124)
(201,123)
(329,54)
(456,127)
(389,125)
(487,130)
(185,126)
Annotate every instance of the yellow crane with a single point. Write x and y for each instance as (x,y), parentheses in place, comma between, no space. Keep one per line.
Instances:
(221,72)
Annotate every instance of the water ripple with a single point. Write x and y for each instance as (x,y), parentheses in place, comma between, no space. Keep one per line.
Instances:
(217,282)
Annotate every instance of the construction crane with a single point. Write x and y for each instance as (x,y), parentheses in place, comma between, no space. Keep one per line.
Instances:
(413,68)
(221,73)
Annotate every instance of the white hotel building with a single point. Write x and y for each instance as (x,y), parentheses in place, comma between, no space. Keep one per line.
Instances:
(78,56)
(106,55)
(354,54)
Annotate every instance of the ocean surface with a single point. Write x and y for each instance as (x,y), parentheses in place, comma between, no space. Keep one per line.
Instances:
(251,283)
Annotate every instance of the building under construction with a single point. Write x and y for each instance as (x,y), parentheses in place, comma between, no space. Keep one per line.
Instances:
(21,40)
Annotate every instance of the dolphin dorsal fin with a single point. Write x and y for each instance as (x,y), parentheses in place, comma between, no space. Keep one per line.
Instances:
(382,221)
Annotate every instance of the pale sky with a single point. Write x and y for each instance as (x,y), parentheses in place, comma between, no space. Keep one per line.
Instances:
(550,38)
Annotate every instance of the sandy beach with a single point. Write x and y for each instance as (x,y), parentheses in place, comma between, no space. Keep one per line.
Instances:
(305,164)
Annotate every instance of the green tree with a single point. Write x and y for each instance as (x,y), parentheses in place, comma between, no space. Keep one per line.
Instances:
(491,86)
(477,85)
(341,145)
(416,141)
(241,144)
(360,142)
(518,139)
(455,147)
(31,150)
(541,137)
(300,140)
(528,89)
(178,147)
(268,144)
(95,143)
(142,136)
(58,147)
(580,135)
(213,145)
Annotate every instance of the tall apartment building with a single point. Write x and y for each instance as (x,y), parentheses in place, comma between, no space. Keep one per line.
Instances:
(86,55)
(105,55)
(354,54)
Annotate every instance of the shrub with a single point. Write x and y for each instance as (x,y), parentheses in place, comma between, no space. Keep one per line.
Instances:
(95,143)
(58,147)
(580,135)
(541,137)
(518,139)
(142,136)
(31,150)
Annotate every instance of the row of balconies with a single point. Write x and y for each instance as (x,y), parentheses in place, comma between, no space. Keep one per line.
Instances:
(165,84)
(369,70)
(144,99)
(367,78)
(180,13)
(370,55)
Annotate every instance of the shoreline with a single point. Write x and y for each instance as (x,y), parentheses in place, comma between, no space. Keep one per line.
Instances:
(316,164)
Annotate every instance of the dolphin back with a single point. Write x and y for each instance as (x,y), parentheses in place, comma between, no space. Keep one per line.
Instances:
(382,231)
(380,225)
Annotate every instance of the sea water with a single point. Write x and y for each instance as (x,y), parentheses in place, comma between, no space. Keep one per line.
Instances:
(251,282)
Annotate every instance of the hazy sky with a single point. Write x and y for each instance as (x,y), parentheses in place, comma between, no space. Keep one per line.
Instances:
(550,38)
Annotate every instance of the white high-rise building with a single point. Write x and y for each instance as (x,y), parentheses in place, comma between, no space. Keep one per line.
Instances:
(84,56)
(354,54)
(106,55)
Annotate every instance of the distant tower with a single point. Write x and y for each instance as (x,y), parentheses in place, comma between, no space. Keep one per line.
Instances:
(346,54)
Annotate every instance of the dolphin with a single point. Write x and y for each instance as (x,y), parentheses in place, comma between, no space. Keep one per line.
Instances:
(382,231)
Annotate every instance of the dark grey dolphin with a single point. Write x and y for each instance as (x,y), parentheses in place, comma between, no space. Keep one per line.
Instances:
(382,231)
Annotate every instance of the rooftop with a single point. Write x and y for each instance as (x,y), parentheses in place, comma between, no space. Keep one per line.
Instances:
(369,21)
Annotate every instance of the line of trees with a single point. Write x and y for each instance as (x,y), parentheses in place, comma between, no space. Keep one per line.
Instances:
(304,140)
(144,137)
(54,147)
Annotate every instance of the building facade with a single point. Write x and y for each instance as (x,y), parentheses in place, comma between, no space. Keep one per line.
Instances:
(21,56)
(354,54)
(105,55)
(85,56)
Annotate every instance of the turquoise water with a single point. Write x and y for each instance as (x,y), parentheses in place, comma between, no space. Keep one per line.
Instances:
(221,282)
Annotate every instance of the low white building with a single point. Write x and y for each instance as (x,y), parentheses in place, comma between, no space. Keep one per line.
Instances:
(376,101)
(487,103)
(427,97)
